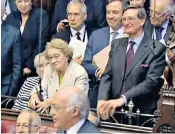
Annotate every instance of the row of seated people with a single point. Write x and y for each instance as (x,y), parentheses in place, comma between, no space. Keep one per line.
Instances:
(135,65)
(27,19)
(70,113)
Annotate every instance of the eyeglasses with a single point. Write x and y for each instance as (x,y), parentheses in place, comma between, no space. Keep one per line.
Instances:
(55,57)
(57,107)
(25,126)
(129,19)
(156,13)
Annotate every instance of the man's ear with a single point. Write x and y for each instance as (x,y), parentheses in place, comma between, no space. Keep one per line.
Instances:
(76,112)
(142,22)
(85,16)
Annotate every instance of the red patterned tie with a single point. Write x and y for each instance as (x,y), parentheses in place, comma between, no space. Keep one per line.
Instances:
(130,55)
(129,59)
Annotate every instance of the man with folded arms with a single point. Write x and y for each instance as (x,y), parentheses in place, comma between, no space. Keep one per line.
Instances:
(135,66)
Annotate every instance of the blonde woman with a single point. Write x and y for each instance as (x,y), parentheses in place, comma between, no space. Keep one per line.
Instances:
(62,71)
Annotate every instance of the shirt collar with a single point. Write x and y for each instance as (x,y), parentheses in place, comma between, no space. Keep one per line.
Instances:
(73,31)
(74,129)
(138,39)
(120,31)
(165,25)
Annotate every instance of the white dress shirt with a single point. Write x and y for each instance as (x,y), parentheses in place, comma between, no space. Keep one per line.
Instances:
(83,32)
(119,35)
(74,129)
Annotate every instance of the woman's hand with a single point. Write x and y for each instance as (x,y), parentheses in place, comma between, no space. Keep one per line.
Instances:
(42,106)
(34,100)
(170,55)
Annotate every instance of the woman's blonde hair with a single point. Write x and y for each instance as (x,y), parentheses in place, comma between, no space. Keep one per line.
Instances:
(39,57)
(61,45)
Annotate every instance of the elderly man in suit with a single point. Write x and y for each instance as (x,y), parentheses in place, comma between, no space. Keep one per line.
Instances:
(135,66)
(77,14)
(161,26)
(70,110)
(100,39)
(95,11)
(11,57)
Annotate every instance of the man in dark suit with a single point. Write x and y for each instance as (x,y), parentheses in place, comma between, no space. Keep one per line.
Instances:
(11,58)
(77,14)
(70,110)
(100,39)
(95,11)
(160,26)
(134,68)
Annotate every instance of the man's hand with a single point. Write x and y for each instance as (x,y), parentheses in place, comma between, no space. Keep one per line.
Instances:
(102,111)
(42,106)
(107,108)
(78,59)
(61,25)
(115,103)
(100,72)
(26,71)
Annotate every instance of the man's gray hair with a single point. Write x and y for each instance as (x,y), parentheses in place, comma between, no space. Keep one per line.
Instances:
(141,11)
(80,100)
(171,8)
(83,6)
(34,118)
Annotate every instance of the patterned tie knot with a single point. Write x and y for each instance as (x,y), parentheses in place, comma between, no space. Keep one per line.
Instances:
(78,35)
(114,34)
(131,44)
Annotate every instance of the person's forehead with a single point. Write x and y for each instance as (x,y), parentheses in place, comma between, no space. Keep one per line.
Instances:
(24,118)
(131,12)
(75,7)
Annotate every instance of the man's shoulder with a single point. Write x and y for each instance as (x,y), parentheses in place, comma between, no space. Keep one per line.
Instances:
(88,127)
(101,30)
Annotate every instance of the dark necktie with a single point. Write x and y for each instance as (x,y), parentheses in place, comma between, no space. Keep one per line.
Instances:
(159,32)
(129,60)
(130,55)
(78,36)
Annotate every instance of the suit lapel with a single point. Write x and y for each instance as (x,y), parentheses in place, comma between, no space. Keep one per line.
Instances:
(4,34)
(168,31)
(121,56)
(142,49)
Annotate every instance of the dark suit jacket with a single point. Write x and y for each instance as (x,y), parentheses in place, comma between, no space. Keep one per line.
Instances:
(12,5)
(142,80)
(11,58)
(149,29)
(97,41)
(65,34)
(30,35)
(87,127)
(96,14)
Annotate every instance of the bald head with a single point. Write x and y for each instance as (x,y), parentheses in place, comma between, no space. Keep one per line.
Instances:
(30,119)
